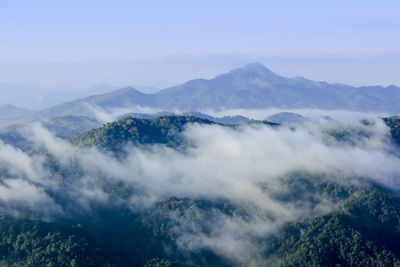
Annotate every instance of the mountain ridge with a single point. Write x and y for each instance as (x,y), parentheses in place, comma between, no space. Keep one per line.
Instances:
(256,86)
(11,112)
(252,86)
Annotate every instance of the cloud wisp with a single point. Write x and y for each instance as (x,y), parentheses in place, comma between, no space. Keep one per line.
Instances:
(220,163)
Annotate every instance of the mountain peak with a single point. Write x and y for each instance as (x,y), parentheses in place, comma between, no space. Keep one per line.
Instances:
(11,107)
(126,90)
(11,112)
(123,91)
(256,67)
(253,69)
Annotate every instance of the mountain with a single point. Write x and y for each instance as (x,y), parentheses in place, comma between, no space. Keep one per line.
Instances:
(287,118)
(161,130)
(40,98)
(122,98)
(255,86)
(238,119)
(394,125)
(250,87)
(359,228)
(166,130)
(359,233)
(11,112)
(67,127)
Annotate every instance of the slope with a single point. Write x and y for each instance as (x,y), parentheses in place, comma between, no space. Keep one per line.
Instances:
(255,86)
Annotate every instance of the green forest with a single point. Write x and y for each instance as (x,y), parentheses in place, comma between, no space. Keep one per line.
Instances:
(361,227)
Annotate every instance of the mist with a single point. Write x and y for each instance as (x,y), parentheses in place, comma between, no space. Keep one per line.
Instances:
(246,166)
(315,115)
(344,116)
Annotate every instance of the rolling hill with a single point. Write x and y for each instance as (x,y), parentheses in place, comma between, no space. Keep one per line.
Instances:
(360,229)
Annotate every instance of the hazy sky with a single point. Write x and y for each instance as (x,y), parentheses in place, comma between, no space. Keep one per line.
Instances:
(78,44)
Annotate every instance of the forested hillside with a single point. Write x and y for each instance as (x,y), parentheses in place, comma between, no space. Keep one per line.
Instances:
(92,209)
(394,124)
(161,130)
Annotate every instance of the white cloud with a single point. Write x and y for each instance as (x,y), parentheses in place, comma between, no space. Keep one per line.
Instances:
(220,163)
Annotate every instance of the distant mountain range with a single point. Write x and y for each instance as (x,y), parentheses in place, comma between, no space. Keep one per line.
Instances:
(238,119)
(11,112)
(255,86)
(287,118)
(250,87)
(37,98)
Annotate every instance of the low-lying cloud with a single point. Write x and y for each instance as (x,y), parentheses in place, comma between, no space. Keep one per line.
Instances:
(316,114)
(220,163)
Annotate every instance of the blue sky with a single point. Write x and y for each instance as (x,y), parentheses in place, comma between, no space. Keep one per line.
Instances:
(77,44)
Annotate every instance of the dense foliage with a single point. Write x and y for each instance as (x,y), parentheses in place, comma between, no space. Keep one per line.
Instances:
(115,135)
(27,242)
(394,125)
(362,229)
(16,139)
